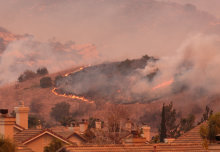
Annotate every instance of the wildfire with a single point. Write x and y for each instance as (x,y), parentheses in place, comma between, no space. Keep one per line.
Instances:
(164,84)
(73,96)
(81,68)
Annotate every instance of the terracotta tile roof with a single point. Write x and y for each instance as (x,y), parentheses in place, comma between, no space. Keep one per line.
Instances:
(180,147)
(109,148)
(48,132)
(192,136)
(78,135)
(30,134)
(136,148)
(63,131)
(26,134)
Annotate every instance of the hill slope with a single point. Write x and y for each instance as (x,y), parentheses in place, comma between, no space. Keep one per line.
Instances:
(30,91)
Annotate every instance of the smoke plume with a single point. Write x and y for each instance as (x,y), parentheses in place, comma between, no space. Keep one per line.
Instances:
(193,69)
(108,31)
(27,53)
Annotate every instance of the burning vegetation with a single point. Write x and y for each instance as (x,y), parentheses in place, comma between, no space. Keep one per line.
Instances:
(114,82)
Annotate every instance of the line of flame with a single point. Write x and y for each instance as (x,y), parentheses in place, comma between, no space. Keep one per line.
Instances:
(164,84)
(73,96)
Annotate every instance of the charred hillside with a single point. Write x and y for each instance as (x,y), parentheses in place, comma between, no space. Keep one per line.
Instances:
(110,82)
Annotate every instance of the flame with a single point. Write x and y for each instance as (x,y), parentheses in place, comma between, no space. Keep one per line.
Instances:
(80,69)
(163,84)
(73,96)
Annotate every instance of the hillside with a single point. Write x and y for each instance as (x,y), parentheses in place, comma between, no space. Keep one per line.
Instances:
(147,112)
(111,82)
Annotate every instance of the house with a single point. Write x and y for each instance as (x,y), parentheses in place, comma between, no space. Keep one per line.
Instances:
(37,139)
(27,140)
(71,133)
(189,142)
(74,139)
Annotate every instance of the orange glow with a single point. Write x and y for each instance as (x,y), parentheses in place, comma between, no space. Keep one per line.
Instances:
(7,37)
(73,96)
(81,68)
(164,84)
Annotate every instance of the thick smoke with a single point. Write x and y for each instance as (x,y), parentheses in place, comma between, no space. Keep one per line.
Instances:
(193,69)
(29,54)
(118,29)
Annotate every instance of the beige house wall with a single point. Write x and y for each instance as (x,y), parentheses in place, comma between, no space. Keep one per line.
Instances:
(7,127)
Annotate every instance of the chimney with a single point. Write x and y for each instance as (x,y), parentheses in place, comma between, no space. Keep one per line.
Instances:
(22,115)
(83,126)
(146,132)
(6,124)
(128,125)
(39,126)
(98,124)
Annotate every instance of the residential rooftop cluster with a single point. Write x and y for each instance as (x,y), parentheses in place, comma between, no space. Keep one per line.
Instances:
(80,137)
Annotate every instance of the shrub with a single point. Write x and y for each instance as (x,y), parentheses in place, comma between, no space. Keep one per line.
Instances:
(6,145)
(35,120)
(212,128)
(53,146)
(28,74)
(60,111)
(56,81)
(204,131)
(45,82)
(42,71)
(36,106)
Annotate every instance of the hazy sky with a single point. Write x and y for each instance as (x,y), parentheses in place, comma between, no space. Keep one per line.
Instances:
(65,19)
(109,29)
(211,6)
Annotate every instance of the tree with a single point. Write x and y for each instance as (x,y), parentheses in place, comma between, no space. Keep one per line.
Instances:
(42,71)
(57,80)
(35,120)
(170,116)
(208,112)
(28,74)
(60,111)
(163,129)
(53,146)
(186,124)
(116,115)
(169,127)
(35,106)
(6,145)
(212,128)
(45,82)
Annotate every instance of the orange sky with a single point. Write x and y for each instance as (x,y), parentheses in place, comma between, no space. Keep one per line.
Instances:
(91,22)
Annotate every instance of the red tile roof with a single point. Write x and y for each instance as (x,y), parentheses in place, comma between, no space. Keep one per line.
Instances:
(192,136)
(136,148)
(28,135)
